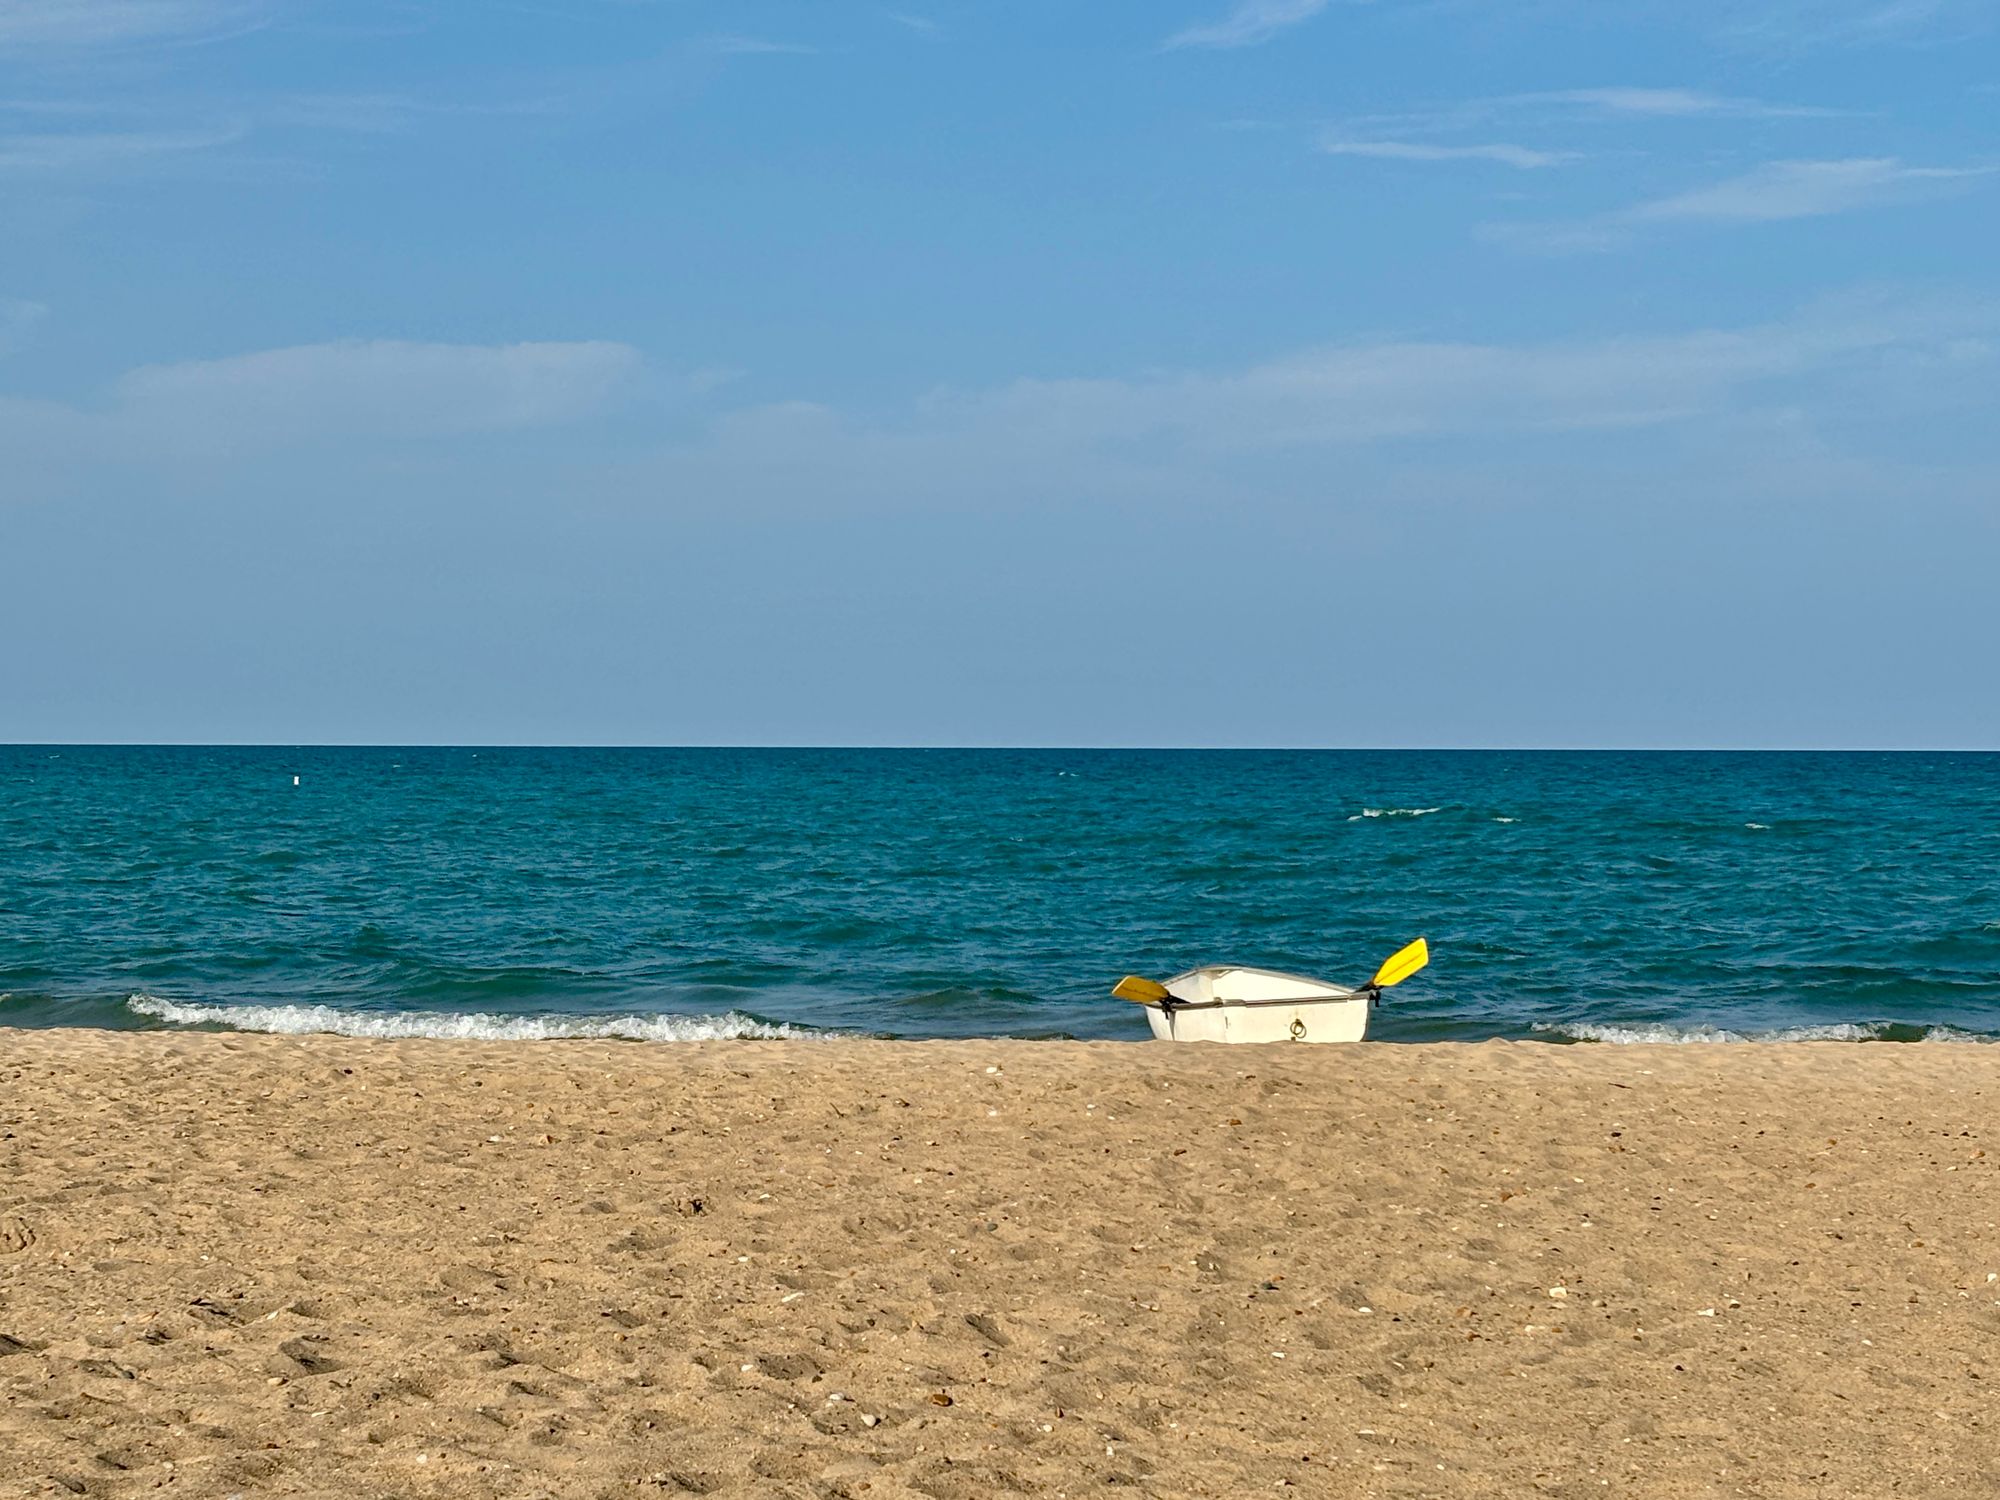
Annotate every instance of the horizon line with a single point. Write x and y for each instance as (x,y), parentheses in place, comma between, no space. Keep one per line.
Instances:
(1021,748)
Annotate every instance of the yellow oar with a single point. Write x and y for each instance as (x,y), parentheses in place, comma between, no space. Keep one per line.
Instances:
(1401,965)
(1139,991)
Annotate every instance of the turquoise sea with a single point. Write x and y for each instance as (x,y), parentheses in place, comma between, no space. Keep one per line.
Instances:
(667,894)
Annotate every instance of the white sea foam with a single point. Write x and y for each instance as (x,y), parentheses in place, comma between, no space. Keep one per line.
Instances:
(1584,1031)
(1393,812)
(1953,1034)
(1662,1034)
(303,1020)
(1757,825)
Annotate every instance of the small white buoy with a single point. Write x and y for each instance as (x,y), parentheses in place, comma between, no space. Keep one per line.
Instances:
(295,781)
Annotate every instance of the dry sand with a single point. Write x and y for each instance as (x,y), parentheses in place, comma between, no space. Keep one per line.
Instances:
(262,1266)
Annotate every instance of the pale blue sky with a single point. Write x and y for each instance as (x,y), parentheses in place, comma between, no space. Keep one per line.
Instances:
(1284,372)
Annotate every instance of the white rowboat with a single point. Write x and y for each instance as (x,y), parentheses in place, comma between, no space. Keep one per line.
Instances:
(1225,1003)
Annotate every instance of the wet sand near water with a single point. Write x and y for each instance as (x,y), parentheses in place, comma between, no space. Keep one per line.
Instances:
(251,1265)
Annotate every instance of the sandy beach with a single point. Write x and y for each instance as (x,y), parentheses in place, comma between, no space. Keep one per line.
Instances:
(264,1266)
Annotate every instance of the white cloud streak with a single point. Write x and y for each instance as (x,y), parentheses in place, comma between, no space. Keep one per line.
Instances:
(75,151)
(1251,22)
(1610,101)
(1772,193)
(1801,190)
(1789,25)
(1384,391)
(383,387)
(1157,426)
(349,114)
(1665,103)
(1418,151)
(1338,395)
(102,23)
(751,46)
(1371,135)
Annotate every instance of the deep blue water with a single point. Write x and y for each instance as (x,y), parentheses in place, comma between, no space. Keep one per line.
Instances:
(979,893)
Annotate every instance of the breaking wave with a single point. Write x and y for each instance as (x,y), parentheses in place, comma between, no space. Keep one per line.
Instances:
(1662,1034)
(1393,812)
(307,1020)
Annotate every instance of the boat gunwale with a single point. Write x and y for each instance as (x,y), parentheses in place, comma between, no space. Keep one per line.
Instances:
(1174,1002)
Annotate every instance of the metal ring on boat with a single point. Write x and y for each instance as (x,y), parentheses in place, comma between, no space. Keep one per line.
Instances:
(1298,1029)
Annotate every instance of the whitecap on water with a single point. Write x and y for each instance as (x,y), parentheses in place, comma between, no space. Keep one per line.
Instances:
(1953,1034)
(307,1020)
(1662,1034)
(1393,812)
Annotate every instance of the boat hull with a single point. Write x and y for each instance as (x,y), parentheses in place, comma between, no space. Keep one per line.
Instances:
(1334,1020)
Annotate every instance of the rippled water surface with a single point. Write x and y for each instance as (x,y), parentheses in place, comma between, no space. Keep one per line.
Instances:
(661,894)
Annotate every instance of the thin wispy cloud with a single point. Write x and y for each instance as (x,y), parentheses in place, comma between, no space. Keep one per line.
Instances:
(388,387)
(914,21)
(751,46)
(1555,236)
(104,136)
(1803,190)
(355,114)
(1664,103)
(378,114)
(332,400)
(83,150)
(1772,193)
(1569,106)
(1197,421)
(1251,22)
(100,23)
(51,108)
(1792,25)
(1420,151)
(1367,392)
(1400,136)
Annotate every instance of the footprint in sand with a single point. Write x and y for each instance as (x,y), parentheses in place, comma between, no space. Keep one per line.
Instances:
(15,1235)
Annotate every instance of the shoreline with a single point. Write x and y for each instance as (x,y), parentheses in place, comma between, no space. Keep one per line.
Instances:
(306,1265)
(159,1016)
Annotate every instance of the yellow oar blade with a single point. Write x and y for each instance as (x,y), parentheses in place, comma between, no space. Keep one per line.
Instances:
(1402,965)
(1139,991)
